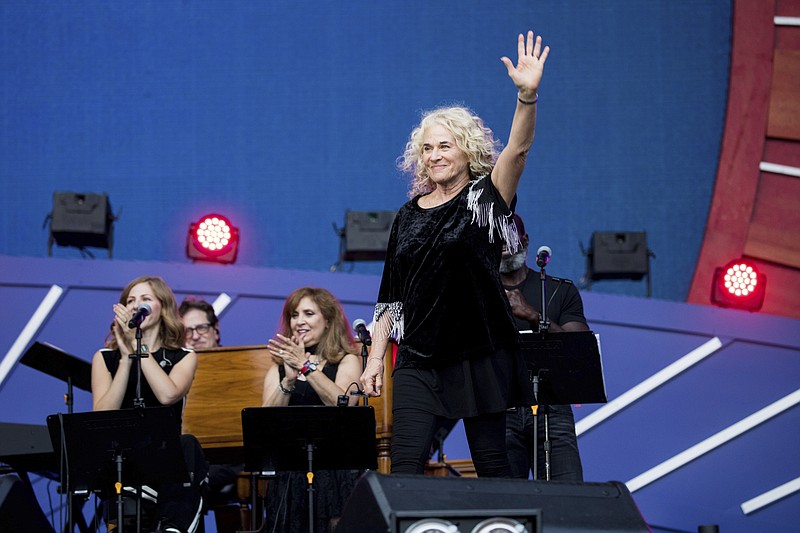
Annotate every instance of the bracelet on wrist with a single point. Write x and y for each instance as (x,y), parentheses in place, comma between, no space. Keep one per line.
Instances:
(283,389)
(308,367)
(528,102)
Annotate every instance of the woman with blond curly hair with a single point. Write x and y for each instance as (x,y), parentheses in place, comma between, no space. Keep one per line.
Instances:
(167,374)
(441,295)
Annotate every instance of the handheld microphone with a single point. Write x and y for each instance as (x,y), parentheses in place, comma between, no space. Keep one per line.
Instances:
(543,256)
(360,328)
(139,316)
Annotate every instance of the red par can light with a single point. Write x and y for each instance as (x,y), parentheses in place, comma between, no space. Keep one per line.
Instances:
(740,285)
(212,238)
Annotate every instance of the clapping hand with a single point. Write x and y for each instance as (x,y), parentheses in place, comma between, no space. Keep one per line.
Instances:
(290,351)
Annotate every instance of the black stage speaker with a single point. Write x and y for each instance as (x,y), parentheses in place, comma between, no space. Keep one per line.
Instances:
(81,219)
(416,504)
(367,234)
(618,255)
(19,510)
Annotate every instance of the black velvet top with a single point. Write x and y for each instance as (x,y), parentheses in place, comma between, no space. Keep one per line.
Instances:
(441,284)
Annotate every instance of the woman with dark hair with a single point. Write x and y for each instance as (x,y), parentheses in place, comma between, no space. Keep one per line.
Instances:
(167,375)
(441,295)
(315,364)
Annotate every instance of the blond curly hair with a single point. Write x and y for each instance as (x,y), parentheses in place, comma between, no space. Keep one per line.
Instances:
(471,135)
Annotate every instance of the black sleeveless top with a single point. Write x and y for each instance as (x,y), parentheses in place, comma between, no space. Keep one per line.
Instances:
(166,358)
(304,393)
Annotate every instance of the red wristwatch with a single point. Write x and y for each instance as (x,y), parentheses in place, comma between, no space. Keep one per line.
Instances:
(307,367)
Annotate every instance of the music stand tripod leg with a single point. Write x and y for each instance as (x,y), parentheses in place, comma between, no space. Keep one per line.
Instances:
(254,500)
(118,489)
(535,411)
(310,478)
(546,443)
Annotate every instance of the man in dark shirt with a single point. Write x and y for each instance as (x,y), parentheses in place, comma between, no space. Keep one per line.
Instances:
(564,313)
(202,331)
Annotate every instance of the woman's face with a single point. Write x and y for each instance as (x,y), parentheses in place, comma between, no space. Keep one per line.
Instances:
(307,322)
(445,163)
(142,293)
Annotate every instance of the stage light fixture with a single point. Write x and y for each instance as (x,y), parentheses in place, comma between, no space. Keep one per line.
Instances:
(212,238)
(740,285)
(81,220)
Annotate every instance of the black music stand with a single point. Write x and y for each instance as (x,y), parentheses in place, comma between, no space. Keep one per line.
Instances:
(55,362)
(77,372)
(309,438)
(565,368)
(107,450)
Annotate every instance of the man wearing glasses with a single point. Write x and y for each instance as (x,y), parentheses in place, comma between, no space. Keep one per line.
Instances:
(201,327)
(200,324)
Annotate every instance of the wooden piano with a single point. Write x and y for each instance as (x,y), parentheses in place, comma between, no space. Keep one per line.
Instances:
(229,379)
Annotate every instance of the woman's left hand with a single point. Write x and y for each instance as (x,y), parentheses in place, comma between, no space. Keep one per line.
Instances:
(123,333)
(291,351)
(530,64)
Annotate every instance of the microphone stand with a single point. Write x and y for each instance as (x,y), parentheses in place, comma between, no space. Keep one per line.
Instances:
(138,402)
(544,323)
(364,357)
(544,326)
(137,356)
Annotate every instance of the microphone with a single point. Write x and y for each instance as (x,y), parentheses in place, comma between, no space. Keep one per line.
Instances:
(543,256)
(139,316)
(360,327)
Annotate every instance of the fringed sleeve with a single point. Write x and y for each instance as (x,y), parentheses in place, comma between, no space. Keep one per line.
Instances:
(490,211)
(389,319)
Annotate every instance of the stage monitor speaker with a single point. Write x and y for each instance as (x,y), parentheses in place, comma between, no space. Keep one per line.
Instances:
(619,255)
(415,504)
(81,219)
(367,234)
(19,510)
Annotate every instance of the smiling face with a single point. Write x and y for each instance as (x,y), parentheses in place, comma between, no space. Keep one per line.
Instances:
(199,332)
(307,322)
(445,163)
(142,293)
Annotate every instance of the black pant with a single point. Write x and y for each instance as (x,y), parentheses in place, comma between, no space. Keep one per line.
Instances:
(565,461)
(173,504)
(412,436)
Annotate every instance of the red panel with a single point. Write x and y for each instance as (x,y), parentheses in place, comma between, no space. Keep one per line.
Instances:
(775,226)
(784,107)
(787,8)
(742,144)
(782,152)
(787,37)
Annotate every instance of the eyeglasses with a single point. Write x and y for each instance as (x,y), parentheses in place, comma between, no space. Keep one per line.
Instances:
(201,329)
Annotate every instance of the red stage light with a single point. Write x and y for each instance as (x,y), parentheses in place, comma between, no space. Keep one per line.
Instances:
(212,238)
(739,284)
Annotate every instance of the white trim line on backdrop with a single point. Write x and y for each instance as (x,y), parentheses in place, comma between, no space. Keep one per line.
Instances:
(787,21)
(714,441)
(771,496)
(221,303)
(26,335)
(648,385)
(779,169)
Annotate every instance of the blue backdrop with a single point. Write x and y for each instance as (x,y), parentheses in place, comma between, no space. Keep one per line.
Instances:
(283,114)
